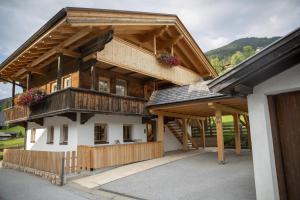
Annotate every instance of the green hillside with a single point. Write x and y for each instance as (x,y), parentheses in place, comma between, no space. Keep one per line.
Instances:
(235,52)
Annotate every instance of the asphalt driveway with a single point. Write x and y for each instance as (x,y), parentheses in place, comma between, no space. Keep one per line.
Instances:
(197,177)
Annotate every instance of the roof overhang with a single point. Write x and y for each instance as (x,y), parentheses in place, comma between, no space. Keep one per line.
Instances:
(74,25)
(274,59)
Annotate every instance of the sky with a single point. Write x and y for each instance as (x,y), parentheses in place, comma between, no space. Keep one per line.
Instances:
(212,23)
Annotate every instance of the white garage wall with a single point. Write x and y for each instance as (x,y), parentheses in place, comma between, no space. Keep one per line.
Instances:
(83,134)
(261,135)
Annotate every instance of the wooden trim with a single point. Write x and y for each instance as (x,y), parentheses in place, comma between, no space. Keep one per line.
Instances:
(173,114)
(224,108)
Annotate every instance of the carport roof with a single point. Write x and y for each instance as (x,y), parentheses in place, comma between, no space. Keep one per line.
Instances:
(182,94)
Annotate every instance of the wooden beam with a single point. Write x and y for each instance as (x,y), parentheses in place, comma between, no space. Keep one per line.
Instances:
(28,81)
(185,134)
(35,71)
(169,42)
(59,73)
(157,33)
(173,114)
(220,140)
(237,133)
(70,53)
(228,109)
(93,77)
(154,45)
(160,129)
(13,92)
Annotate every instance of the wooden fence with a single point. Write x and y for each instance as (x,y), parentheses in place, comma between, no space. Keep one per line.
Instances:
(113,155)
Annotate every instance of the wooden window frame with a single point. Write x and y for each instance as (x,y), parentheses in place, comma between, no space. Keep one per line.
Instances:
(52,88)
(130,133)
(105,140)
(64,81)
(32,135)
(125,89)
(101,78)
(50,131)
(64,135)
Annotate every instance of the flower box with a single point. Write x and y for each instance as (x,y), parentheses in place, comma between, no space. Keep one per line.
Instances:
(30,98)
(167,59)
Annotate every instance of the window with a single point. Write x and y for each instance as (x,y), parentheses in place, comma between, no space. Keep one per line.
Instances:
(67,82)
(32,136)
(50,135)
(64,134)
(104,84)
(121,87)
(53,87)
(127,133)
(100,134)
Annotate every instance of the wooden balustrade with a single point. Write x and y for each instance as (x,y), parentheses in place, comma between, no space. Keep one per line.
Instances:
(119,154)
(77,100)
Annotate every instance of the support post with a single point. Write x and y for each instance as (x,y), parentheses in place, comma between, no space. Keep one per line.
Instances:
(203,135)
(220,141)
(237,133)
(160,129)
(154,45)
(184,136)
(59,72)
(248,131)
(28,80)
(13,93)
(93,77)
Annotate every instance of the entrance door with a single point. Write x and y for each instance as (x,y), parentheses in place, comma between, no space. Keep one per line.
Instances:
(285,121)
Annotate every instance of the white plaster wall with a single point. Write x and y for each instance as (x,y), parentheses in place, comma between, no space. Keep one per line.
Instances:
(84,134)
(261,135)
(171,143)
(41,135)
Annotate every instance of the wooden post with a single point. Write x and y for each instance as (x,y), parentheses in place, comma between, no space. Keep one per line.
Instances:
(59,72)
(160,129)
(220,141)
(13,93)
(28,80)
(237,133)
(154,44)
(184,136)
(113,85)
(93,77)
(248,130)
(203,135)
(210,127)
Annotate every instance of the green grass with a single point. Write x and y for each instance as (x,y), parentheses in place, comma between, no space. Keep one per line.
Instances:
(15,129)
(11,143)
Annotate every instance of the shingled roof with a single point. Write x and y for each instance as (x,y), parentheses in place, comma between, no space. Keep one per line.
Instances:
(198,91)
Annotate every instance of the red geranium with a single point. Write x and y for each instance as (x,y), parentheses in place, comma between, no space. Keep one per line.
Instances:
(30,97)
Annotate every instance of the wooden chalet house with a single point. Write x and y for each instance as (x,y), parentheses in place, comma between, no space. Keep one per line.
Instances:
(98,69)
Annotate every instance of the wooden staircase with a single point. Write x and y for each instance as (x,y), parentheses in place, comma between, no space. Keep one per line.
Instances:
(176,129)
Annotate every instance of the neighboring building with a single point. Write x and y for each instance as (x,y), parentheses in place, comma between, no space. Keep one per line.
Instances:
(99,68)
(271,82)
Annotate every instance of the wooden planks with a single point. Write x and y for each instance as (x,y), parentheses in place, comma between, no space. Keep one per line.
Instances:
(112,155)
(128,56)
(237,134)
(39,160)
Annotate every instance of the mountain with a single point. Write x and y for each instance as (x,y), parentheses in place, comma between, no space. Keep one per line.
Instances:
(235,52)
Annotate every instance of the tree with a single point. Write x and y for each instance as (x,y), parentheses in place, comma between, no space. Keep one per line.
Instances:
(217,64)
(237,58)
(248,51)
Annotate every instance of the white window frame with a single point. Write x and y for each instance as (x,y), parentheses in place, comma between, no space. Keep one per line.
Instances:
(65,79)
(104,79)
(62,140)
(53,86)
(105,140)
(125,89)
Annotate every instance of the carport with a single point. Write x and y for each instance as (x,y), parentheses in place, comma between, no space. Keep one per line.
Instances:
(194,103)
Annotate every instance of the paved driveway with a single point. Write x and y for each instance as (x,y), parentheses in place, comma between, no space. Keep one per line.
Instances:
(16,185)
(197,177)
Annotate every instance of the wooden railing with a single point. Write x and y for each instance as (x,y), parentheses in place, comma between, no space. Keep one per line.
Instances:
(39,160)
(78,100)
(119,154)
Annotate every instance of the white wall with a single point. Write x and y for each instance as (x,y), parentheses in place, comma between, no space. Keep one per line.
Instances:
(171,143)
(261,135)
(84,134)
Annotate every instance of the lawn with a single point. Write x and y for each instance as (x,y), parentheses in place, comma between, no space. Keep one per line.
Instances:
(15,129)
(11,143)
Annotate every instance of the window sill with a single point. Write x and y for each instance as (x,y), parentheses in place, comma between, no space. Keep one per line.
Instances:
(127,141)
(49,143)
(32,141)
(63,143)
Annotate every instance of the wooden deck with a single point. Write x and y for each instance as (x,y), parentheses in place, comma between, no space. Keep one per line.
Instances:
(77,100)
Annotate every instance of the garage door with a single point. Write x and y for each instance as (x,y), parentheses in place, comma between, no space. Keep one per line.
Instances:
(285,121)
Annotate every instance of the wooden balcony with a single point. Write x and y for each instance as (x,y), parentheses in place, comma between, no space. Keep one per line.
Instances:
(74,100)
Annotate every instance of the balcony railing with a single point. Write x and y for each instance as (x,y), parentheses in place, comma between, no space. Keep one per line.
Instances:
(77,100)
